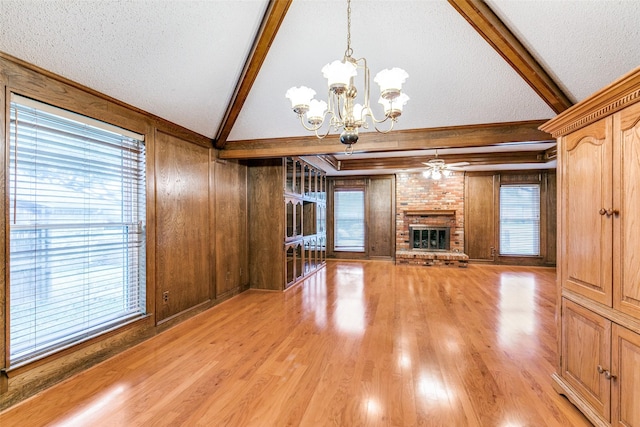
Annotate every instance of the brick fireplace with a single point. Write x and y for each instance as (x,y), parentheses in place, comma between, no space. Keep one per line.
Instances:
(423,203)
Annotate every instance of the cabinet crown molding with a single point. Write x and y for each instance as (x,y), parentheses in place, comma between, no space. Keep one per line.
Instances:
(618,95)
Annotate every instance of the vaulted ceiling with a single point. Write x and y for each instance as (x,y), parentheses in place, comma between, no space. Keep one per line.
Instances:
(483,75)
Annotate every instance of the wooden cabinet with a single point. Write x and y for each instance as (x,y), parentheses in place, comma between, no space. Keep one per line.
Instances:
(287,229)
(599,246)
(586,350)
(626,223)
(625,363)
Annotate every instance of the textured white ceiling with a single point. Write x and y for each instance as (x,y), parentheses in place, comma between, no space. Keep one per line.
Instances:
(583,44)
(455,77)
(181,60)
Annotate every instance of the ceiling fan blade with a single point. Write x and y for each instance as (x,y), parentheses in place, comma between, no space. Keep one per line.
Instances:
(457,164)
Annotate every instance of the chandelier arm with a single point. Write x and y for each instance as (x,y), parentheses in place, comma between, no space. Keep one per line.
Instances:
(384,131)
(321,136)
(376,121)
(311,128)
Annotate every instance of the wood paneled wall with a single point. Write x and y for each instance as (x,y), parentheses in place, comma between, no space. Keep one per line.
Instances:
(479,206)
(196,226)
(482,216)
(266,195)
(381,217)
(379,212)
(182,226)
(231,240)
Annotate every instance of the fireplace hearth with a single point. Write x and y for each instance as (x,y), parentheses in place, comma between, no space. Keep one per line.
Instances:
(428,238)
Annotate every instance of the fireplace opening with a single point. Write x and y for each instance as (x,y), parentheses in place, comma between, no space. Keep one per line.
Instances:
(427,238)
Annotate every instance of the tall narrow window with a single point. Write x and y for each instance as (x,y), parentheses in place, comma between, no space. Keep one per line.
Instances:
(77,228)
(520,219)
(349,220)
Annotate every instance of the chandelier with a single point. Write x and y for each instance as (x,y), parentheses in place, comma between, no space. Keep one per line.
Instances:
(342,112)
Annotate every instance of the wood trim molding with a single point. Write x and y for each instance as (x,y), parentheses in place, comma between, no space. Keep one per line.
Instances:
(402,140)
(417,162)
(430,212)
(273,17)
(614,97)
(551,153)
(493,30)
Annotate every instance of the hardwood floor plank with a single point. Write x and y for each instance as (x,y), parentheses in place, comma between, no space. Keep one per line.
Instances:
(358,344)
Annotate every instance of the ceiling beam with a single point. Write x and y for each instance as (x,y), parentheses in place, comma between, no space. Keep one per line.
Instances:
(414,162)
(551,153)
(493,30)
(401,140)
(273,17)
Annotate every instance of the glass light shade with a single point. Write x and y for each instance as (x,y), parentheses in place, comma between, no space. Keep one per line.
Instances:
(427,173)
(394,108)
(446,173)
(300,98)
(316,112)
(436,175)
(390,82)
(338,74)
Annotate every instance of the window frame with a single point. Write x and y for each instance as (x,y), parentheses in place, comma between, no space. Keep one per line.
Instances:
(540,224)
(140,184)
(346,248)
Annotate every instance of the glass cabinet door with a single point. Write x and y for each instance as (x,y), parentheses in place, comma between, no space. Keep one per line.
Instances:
(299,260)
(290,265)
(307,181)
(298,219)
(289,214)
(299,177)
(313,191)
(289,174)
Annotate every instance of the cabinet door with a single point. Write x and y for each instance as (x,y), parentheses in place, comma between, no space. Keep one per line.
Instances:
(586,229)
(586,346)
(626,250)
(625,388)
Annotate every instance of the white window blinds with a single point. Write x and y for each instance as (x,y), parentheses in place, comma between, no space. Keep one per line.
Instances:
(520,219)
(349,221)
(76,223)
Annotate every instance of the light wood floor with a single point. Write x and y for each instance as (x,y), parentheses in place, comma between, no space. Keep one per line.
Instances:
(360,343)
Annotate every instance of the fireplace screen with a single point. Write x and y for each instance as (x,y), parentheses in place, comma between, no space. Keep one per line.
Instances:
(429,238)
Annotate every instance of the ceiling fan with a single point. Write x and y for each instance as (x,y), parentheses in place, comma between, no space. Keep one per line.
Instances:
(437,168)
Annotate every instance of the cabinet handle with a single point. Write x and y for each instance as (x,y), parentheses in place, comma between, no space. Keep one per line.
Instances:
(602,211)
(600,369)
(612,212)
(608,375)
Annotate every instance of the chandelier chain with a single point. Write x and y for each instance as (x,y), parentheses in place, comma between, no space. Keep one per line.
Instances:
(349,51)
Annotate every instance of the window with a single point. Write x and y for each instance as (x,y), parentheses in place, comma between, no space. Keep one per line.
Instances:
(76,228)
(349,220)
(520,219)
